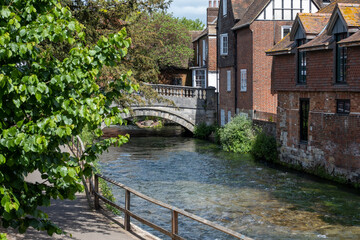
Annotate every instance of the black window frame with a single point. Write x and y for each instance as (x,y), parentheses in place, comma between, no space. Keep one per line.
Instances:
(345,106)
(304,110)
(301,63)
(341,59)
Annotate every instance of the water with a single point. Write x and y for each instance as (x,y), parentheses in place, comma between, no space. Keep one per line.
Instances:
(260,201)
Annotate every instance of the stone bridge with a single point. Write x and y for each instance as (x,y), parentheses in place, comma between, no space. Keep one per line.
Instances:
(192,106)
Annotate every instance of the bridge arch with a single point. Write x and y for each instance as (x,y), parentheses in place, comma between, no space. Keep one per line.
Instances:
(162,113)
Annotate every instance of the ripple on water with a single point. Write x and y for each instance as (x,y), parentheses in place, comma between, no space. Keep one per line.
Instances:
(260,201)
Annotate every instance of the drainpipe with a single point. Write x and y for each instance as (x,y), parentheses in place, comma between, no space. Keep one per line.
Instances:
(217,77)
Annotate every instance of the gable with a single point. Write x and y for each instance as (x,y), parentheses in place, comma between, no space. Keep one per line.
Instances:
(287,10)
(339,26)
(300,33)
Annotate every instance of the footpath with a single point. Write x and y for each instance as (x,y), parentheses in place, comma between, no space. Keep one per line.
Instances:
(78,220)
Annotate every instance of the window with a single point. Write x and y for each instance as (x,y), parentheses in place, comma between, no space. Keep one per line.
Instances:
(301,60)
(204,53)
(222,117)
(224,44)
(200,78)
(228,80)
(224,7)
(341,58)
(343,106)
(304,119)
(243,80)
(229,116)
(285,30)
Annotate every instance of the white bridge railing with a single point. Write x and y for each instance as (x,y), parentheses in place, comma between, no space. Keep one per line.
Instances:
(180,91)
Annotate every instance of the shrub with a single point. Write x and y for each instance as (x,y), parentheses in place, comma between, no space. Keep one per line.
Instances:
(203,130)
(237,136)
(265,148)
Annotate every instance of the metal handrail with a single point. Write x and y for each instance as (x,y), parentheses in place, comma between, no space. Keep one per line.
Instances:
(174,211)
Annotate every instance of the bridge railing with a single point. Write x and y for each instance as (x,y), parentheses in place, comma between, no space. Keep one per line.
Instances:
(181,91)
(175,212)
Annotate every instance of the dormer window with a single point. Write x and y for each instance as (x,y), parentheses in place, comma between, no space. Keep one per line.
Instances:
(301,62)
(341,58)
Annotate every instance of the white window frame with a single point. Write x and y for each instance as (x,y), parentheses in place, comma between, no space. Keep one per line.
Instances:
(224,7)
(243,80)
(224,45)
(228,80)
(229,116)
(282,30)
(204,52)
(222,117)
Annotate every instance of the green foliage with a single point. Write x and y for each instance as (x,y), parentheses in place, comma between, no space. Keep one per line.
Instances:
(203,131)
(192,25)
(237,135)
(159,43)
(265,148)
(3,236)
(45,100)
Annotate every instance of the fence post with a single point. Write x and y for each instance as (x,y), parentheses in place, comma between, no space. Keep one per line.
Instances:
(127,208)
(174,223)
(96,192)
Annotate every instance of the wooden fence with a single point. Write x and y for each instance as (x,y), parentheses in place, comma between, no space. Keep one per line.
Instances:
(174,233)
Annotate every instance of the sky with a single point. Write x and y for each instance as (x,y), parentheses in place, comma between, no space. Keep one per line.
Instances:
(191,9)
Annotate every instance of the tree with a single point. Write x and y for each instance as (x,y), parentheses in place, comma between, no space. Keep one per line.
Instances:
(45,100)
(160,42)
(192,25)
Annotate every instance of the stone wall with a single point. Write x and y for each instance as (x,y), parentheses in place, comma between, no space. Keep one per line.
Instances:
(333,144)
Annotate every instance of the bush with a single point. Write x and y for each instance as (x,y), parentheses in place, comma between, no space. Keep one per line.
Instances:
(203,131)
(238,135)
(265,148)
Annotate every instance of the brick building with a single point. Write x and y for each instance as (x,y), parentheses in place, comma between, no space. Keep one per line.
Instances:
(316,73)
(204,71)
(246,29)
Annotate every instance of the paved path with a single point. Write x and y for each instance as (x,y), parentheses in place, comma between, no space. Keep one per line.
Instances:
(78,219)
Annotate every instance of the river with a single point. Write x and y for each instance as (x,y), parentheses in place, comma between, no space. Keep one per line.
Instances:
(257,199)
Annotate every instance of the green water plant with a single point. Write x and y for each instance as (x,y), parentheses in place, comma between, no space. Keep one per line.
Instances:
(203,131)
(237,135)
(265,148)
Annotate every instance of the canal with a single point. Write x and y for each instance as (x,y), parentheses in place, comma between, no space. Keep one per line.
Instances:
(257,199)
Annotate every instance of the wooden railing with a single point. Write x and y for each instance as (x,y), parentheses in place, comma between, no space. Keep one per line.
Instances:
(128,214)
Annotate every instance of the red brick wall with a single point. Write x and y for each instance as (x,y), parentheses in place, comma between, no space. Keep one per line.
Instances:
(245,61)
(212,54)
(226,99)
(320,72)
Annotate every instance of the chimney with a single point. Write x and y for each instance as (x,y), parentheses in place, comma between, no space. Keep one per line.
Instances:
(212,11)
(214,3)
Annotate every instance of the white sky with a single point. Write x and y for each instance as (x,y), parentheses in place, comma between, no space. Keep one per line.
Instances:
(191,9)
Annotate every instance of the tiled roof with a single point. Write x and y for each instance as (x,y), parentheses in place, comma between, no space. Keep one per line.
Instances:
(240,7)
(255,9)
(282,47)
(195,34)
(313,23)
(198,36)
(320,42)
(330,8)
(353,40)
(350,13)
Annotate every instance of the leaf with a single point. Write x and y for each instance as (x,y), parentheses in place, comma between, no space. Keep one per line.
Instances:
(63,171)
(2,159)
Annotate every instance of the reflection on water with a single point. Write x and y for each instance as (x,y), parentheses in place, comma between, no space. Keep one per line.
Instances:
(258,200)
